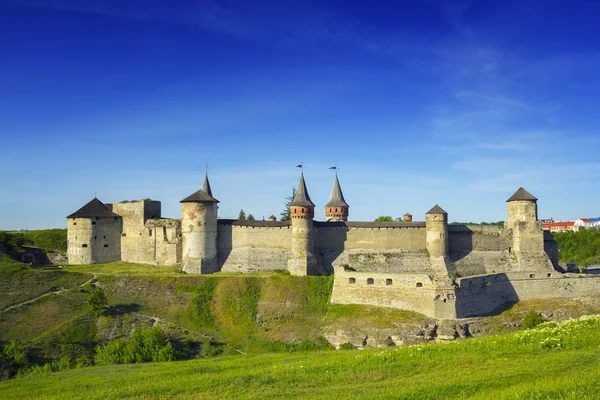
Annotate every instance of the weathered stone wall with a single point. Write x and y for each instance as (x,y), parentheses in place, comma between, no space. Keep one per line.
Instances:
(480,249)
(481,295)
(253,246)
(79,238)
(93,240)
(106,239)
(199,237)
(166,234)
(415,292)
(366,246)
(137,241)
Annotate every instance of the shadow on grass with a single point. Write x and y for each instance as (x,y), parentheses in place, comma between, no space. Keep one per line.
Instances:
(122,309)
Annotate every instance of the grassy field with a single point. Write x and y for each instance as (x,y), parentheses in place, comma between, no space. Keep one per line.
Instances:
(549,362)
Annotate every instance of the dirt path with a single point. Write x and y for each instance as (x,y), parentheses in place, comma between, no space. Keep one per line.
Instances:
(47,294)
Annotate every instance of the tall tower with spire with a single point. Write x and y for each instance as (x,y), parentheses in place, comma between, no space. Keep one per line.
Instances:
(199,231)
(302,211)
(336,208)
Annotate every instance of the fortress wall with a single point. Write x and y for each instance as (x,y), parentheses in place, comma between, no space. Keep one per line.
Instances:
(414,292)
(393,248)
(480,249)
(79,233)
(137,241)
(345,236)
(482,295)
(254,246)
(167,240)
(106,239)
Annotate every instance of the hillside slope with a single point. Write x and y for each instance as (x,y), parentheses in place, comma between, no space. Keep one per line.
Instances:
(549,362)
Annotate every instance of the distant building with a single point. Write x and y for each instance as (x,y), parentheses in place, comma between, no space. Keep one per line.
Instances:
(587,223)
(560,226)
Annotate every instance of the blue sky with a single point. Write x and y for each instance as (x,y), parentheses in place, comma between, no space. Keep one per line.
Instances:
(417,103)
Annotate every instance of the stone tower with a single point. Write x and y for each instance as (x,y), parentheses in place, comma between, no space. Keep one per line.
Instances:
(436,225)
(527,232)
(199,231)
(302,211)
(94,234)
(336,208)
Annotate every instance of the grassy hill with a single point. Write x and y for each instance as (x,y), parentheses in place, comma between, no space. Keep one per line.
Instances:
(549,362)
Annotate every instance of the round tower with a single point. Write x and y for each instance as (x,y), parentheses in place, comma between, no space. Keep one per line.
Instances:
(527,232)
(199,212)
(302,211)
(522,207)
(407,217)
(436,223)
(336,208)
(94,234)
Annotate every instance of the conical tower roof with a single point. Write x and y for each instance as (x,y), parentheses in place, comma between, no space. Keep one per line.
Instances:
(94,208)
(336,199)
(436,210)
(206,187)
(521,195)
(302,199)
(203,195)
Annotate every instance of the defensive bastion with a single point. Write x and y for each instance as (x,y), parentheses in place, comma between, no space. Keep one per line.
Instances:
(441,270)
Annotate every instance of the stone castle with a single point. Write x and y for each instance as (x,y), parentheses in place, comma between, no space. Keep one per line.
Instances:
(440,270)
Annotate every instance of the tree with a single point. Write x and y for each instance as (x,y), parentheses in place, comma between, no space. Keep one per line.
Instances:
(251,217)
(285,215)
(242,215)
(97,301)
(384,218)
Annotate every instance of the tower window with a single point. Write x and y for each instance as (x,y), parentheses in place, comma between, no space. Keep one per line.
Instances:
(105,245)
(370,281)
(93,222)
(74,223)
(84,245)
(352,280)
(388,282)
(419,284)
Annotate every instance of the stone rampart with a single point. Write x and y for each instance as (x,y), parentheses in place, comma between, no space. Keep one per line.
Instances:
(392,247)
(416,292)
(253,246)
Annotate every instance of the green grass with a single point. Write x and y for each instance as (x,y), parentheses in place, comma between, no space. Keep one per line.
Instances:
(517,366)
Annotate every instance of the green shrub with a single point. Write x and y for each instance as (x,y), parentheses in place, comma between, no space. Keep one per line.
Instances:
(97,301)
(531,320)
(347,346)
(144,345)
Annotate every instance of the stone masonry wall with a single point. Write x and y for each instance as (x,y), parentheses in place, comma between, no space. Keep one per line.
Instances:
(253,246)
(415,292)
(477,249)
(382,247)
(137,241)
(482,295)
(166,234)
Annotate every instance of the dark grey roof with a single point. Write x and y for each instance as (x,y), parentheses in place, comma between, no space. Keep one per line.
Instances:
(206,187)
(95,208)
(302,199)
(437,210)
(203,195)
(336,199)
(521,195)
